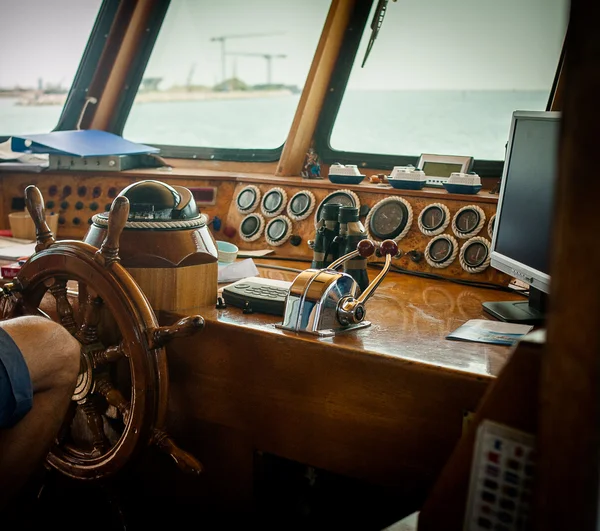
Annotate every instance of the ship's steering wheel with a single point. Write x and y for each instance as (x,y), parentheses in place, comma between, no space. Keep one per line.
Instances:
(120,401)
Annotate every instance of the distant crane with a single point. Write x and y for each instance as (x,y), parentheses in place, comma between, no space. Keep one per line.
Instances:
(188,82)
(268,57)
(224,38)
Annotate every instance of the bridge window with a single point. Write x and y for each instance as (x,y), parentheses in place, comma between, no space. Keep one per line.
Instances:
(226,76)
(42,44)
(442,78)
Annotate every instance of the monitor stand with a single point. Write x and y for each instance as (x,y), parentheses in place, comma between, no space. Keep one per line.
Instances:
(531,311)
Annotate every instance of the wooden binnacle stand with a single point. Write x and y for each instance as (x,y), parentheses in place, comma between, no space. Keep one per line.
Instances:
(165,246)
(119,405)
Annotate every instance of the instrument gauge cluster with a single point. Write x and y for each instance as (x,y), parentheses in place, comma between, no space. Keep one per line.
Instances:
(301,205)
(248,199)
(441,251)
(278,230)
(442,235)
(468,221)
(434,219)
(251,227)
(475,254)
(389,219)
(273,202)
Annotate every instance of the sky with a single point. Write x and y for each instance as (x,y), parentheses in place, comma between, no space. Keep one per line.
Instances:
(423,44)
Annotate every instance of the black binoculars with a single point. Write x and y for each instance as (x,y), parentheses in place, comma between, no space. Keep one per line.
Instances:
(337,233)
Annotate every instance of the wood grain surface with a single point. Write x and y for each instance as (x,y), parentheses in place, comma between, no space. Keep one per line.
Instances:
(78,196)
(384,404)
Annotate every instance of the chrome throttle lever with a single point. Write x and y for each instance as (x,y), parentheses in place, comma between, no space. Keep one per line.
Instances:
(325,301)
(352,310)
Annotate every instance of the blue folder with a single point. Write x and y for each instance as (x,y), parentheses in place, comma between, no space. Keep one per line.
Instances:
(81,143)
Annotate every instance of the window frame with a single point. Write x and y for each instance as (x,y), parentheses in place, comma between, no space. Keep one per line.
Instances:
(76,98)
(133,81)
(339,81)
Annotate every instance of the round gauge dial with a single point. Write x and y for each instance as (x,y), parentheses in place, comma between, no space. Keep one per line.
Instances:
(441,251)
(301,205)
(390,219)
(248,199)
(490,226)
(344,197)
(468,221)
(273,202)
(278,230)
(434,219)
(475,255)
(251,227)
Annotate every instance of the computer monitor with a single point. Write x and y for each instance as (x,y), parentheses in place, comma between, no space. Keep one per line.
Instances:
(522,237)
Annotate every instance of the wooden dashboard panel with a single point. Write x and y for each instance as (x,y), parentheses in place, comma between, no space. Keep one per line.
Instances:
(370,195)
(77,196)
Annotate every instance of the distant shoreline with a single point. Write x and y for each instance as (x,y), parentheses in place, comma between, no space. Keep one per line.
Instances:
(35,99)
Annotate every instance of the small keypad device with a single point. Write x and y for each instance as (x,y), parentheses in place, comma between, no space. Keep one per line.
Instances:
(263,295)
(501,479)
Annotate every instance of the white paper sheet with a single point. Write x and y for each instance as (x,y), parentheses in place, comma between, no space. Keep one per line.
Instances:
(14,252)
(237,270)
(485,331)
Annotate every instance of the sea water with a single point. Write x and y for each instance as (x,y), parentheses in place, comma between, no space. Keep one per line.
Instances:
(474,123)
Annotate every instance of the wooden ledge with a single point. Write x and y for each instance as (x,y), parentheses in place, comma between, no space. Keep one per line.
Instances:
(410,319)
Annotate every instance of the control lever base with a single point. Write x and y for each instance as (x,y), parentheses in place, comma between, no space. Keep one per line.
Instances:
(324,302)
(329,332)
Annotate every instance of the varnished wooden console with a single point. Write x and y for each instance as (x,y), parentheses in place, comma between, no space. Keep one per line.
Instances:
(384,404)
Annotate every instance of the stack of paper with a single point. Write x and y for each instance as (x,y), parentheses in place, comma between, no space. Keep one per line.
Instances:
(16,251)
(483,331)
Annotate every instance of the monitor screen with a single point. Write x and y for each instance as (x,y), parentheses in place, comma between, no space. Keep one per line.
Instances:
(523,227)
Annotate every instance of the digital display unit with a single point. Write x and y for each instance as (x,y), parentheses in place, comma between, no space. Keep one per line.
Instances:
(522,239)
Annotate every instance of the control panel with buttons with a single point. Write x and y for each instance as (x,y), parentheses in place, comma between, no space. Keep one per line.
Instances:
(264,295)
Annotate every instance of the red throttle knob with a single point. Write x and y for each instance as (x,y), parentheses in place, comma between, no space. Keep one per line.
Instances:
(388,247)
(365,248)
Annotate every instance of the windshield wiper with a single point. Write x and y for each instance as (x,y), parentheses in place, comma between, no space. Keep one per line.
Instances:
(375,26)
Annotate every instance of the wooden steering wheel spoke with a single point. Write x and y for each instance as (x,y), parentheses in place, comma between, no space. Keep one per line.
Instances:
(35,206)
(185,461)
(95,424)
(109,250)
(111,354)
(185,327)
(58,288)
(114,397)
(88,331)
